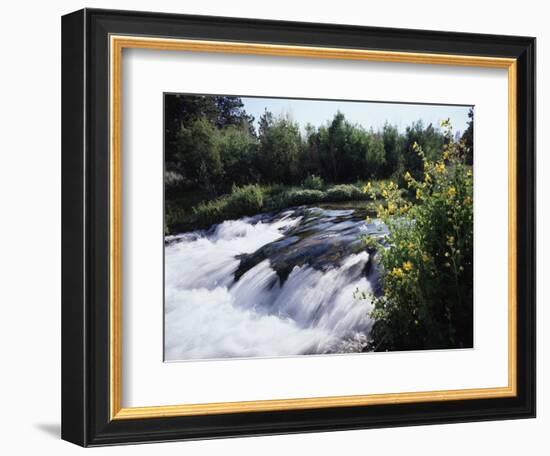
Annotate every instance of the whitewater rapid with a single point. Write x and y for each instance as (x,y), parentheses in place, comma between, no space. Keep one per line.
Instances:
(211,315)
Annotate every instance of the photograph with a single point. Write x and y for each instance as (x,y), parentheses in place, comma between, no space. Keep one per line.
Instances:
(248,197)
(306,227)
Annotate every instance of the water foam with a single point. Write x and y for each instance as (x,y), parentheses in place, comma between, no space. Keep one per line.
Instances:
(209,315)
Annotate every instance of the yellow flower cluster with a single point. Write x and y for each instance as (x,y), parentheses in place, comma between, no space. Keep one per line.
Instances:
(425,233)
(398,273)
(440,167)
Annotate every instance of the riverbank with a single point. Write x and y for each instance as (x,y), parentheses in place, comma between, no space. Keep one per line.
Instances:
(249,200)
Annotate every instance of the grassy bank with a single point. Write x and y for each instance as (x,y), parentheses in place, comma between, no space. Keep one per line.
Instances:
(254,199)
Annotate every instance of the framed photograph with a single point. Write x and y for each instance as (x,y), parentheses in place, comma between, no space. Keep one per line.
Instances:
(278,227)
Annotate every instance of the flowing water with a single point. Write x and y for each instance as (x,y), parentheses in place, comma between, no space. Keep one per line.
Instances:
(272,285)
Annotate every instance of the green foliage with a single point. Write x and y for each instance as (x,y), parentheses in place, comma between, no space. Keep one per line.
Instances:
(429,139)
(281,148)
(173,214)
(301,197)
(250,200)
(375,156)
(211,144)
(212,149)
(468,138)
(220,111)
(247,200)
(345,192)
(313,182)
(238,151)
(198,154)
(427,299)
(347,152)
(242,201)
(393,147)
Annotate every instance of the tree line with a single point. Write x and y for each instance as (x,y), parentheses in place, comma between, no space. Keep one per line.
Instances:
(211,144)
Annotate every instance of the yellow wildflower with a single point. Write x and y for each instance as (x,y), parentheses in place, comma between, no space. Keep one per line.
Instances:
(407,266)
(367,188)
(440,167)
(451,192)
(418,193)
(397,272)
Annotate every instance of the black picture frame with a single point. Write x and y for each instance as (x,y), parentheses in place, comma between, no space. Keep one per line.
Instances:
(86,418)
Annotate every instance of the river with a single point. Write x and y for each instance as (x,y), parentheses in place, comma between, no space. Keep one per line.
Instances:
(271,285)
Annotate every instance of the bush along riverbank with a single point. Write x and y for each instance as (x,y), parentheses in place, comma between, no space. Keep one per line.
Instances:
(427,257)
(253,199)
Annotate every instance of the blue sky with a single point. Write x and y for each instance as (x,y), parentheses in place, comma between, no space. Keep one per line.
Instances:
(367,114)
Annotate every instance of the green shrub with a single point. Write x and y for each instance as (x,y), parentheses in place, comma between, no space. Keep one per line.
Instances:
(250,200)
(274,189)
(207,213)
(313,182)
(301,197)
(247,200)
(427,280)
(345,192)
(173,215)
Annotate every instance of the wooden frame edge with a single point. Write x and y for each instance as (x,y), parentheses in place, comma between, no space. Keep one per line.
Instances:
(165,411)
(120,42)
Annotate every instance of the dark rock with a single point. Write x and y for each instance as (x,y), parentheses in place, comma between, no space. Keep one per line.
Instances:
(322,240)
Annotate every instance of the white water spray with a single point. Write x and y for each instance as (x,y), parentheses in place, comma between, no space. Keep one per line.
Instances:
(210,315)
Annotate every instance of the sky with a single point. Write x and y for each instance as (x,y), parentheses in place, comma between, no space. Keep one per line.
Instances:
(367,114)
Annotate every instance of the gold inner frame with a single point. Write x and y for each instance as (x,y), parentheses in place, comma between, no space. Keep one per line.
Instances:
(117,44)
